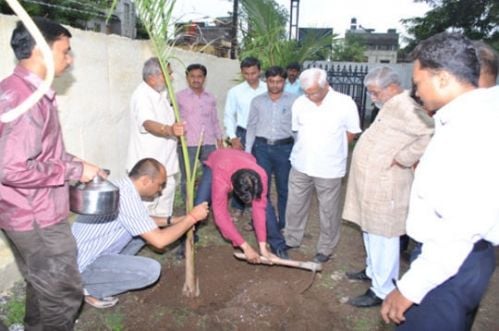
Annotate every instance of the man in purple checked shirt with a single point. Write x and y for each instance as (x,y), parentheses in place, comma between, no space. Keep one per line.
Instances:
(34,194)
(198,109)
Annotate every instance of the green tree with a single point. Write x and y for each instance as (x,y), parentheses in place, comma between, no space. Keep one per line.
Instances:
(264,36)
(477,19)
(71,12)
(350,49)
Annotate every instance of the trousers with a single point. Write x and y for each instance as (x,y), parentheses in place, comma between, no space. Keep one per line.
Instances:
(299,197)
(382,262)
(452,305)
(46,258)
(113,274)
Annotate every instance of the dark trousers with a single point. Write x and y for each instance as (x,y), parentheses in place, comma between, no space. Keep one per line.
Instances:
(274,237)
(204,152)
(236,203)
(452,305)
(47,260)
(275,160)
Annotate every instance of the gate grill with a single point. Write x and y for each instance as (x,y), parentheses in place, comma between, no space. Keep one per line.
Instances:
(349,80)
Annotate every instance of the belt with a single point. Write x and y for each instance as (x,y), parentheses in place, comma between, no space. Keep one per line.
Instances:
(284,141)
(481,245)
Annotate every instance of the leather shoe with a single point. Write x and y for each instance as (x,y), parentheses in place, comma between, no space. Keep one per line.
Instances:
(359,275)
(368,299)
(321,258)
(282,254)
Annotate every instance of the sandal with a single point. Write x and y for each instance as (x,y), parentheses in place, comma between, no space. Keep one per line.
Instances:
(103,303)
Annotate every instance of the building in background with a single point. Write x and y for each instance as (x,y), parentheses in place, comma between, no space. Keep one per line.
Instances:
(123,22)
(206,37)
(380,47)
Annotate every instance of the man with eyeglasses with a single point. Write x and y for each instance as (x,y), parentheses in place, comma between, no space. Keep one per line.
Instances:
(325,121)
(380,178)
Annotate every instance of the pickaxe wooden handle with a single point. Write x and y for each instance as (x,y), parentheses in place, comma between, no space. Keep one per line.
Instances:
(309,265)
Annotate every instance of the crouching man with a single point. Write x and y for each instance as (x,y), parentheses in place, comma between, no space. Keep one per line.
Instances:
(107,244)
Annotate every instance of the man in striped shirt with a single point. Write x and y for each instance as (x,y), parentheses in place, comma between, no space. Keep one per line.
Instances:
(107,244)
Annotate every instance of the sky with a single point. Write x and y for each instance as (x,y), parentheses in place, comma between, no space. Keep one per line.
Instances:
(380,15)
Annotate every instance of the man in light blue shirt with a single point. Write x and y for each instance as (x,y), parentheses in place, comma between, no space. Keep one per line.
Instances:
(269,136)
(292,83)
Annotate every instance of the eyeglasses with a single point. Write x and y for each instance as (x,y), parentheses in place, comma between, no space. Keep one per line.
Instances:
(375,94)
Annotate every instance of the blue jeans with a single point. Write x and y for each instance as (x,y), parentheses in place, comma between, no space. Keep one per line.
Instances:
(205,151)
(274,237)
(113,274)
(275,160)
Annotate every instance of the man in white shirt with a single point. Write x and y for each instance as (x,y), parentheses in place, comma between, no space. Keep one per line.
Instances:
(153,132)
(237,104)
(325,121)
(453,210)
(237,108)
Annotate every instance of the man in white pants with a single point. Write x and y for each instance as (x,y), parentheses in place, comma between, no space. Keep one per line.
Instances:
(380,178)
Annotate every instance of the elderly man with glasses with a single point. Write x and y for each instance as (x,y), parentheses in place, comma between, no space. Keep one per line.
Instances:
(379,183)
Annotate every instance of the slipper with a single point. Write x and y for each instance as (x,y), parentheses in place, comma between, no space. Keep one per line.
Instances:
(103,303)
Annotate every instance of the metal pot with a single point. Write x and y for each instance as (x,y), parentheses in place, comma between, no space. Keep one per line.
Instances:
(97,197)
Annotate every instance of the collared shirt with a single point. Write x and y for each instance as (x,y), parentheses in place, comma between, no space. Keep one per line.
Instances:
(34,165)
(321,145)
(294,88)
(148,104)
(454,198)
(200,114)
(269,119)
(102,235)
(237,106)
(223,164)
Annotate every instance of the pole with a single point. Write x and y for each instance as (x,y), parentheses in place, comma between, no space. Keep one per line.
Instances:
(233,41)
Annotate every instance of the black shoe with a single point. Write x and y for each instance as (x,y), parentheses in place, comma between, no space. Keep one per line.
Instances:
(368,299)
(180,253)
(321,258)
(282,254)
(359,275)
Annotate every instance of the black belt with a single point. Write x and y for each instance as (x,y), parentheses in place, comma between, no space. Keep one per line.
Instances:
(284,141)
(481,245)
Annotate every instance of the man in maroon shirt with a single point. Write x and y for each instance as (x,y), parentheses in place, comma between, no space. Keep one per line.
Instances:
(34,174)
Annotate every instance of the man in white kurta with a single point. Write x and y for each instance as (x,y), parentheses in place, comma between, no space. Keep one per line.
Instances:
(324,121)
(153,133)
(380,178)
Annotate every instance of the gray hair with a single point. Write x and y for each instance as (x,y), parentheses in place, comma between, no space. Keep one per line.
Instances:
(382,77)
(151,68)
(313,76)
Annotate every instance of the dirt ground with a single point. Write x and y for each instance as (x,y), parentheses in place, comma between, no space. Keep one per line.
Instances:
(239,296)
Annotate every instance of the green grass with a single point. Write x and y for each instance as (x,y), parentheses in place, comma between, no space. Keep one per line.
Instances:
(14,309)
(114,322)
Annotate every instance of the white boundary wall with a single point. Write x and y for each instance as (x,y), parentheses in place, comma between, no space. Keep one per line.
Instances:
(94,95)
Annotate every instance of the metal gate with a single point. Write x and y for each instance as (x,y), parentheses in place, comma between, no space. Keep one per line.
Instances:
(348,79)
